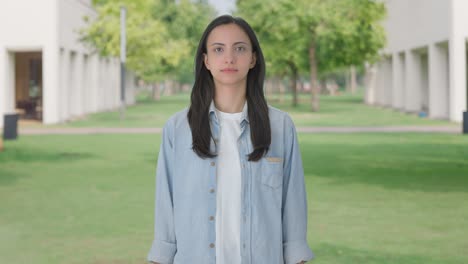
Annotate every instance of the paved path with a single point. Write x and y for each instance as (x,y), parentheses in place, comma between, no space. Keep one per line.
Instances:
(116,130)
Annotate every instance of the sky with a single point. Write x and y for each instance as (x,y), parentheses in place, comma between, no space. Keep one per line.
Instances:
(223,6)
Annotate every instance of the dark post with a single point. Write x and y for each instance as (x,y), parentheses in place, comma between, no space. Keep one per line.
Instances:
(465,122)
(10,126)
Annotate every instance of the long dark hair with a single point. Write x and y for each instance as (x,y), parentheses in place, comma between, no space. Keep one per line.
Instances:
(203,93)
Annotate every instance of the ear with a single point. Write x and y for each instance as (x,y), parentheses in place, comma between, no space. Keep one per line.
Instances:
(205,60)
(254,60)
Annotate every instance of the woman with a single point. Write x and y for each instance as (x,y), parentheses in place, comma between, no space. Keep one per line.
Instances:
(229,181)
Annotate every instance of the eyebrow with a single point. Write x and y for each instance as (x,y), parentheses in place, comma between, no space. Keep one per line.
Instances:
(235,43)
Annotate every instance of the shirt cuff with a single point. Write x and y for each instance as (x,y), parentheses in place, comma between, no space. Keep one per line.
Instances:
(296,251)
(162,252)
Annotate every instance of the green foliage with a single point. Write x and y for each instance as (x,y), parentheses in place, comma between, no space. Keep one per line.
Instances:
(345,32)
(353,37)
(160,34)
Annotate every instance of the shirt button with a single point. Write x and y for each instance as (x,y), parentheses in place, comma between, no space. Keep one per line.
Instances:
(212,163)
(243,245)
(211,218)
(211,245)
(212,190)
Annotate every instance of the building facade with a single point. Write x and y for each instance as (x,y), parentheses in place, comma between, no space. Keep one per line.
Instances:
(424,65)
(46,73)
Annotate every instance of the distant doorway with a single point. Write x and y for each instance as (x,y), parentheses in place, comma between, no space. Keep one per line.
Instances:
(28,85)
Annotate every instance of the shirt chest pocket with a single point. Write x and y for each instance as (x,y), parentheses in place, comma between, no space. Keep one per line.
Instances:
(272,172)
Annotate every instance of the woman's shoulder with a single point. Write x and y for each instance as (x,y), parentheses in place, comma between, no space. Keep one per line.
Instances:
(177,120)
(279,116)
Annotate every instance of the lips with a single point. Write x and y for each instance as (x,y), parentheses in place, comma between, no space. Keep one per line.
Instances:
(229,70)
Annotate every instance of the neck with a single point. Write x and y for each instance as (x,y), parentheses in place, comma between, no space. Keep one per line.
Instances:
(230,99)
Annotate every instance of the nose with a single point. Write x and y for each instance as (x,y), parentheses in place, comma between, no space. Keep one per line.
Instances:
(229,57)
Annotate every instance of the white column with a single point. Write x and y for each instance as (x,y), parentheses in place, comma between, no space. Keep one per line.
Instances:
(50,71)
(86,105)
(78,85)
(51,84)
(438,81)
(388,82)
(7,83)
(398,80)
(413,86)
(100,99)
(115,82)
(72,88)
(457,61)
(379,83)
(105,88)
(94,81)
(64,107)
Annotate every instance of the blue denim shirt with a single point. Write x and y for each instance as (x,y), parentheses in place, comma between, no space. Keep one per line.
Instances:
(273,197)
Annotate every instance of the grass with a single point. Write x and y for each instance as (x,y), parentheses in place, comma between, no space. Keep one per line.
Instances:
(373,198)
(344,110)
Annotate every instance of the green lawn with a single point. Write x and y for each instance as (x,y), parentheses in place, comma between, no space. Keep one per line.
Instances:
(373,198)
(344,110)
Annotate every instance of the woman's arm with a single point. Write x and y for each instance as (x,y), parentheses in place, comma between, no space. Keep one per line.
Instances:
(164,244)
(294,202)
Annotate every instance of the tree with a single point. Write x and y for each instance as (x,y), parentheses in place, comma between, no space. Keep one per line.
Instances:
(160,34)
(275,29)
(334,33)
(186,21)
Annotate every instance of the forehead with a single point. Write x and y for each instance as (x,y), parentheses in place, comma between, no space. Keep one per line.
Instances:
(227,34)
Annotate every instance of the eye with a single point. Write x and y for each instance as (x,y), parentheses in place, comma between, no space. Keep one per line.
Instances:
(218,49)
(240,49)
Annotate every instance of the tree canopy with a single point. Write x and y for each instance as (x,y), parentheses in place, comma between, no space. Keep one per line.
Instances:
(162,35)
(318,36)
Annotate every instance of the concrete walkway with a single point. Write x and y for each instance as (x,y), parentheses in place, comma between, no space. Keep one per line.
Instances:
(143,130)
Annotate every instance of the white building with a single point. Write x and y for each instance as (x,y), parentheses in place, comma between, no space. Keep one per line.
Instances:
(46,73)
(424,64)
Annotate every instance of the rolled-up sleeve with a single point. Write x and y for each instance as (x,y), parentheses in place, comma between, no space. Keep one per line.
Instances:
(294,203)
(164,246)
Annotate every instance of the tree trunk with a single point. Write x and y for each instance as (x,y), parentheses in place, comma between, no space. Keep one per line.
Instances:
(353,80)
(168,87)
(281,90)
(293,81)
(313,77)
(348,81)
(156,92)
(268,88)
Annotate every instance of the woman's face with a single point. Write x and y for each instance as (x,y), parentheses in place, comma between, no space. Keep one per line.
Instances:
(229,55)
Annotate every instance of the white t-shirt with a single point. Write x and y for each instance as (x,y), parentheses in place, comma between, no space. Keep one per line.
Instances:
(228,195)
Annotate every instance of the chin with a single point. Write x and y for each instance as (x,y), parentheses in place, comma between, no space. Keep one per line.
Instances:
(231,81)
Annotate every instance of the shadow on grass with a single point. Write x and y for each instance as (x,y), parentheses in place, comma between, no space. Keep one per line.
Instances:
(409,166)
(328,253)
(26,155)
(15,156)
(8,176)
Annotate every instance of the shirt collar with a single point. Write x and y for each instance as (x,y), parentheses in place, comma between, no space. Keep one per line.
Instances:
(244,116)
